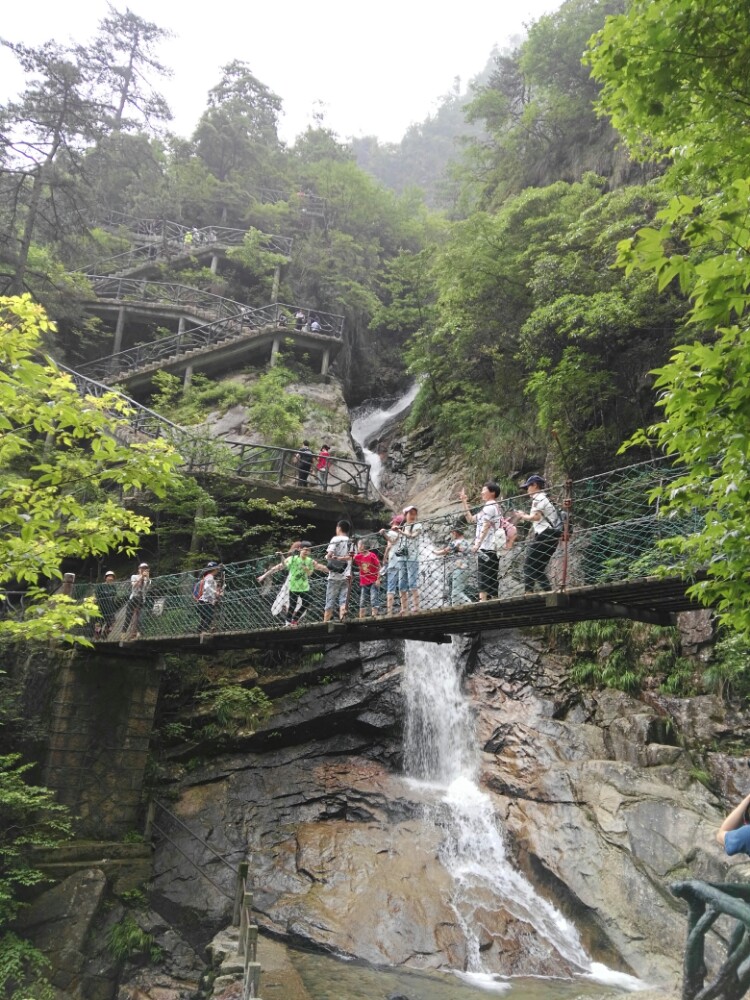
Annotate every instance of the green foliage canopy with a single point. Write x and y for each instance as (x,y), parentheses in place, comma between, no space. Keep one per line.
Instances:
(62,467)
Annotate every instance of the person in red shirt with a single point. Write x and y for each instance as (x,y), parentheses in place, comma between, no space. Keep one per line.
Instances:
(368,563)
(323,465)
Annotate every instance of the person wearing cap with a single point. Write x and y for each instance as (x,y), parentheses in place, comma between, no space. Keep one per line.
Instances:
(734,832)
(300,566)
(208,595)
(391,567)
(487,520)
(407,549)
(544,538)
(457,550)
(106,599)
(139,586)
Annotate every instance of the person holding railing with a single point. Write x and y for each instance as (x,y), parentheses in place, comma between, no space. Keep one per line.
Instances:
(322,466)
(368,563)
(391,568)
(408,552)
(545,534)
(487,521)
(108,604)
(139,586)
(338,564)
(300,566)
(457,551)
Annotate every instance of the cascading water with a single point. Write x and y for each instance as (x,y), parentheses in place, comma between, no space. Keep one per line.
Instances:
(370,419)
(439,753)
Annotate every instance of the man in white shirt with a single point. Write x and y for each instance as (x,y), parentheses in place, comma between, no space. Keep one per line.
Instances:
(338,560)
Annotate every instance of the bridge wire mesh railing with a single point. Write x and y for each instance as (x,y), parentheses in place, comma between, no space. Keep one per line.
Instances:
(615,530)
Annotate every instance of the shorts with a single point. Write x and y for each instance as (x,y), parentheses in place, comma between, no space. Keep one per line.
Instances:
(391,577)
(371,590)
(337,591)
(408,576)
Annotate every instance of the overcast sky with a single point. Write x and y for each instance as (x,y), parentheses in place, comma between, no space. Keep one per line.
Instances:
(374,68)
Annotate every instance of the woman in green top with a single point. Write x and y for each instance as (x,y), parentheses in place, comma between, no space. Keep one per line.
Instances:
(300,566)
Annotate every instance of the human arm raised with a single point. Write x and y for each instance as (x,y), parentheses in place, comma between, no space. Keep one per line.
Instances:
(734,820)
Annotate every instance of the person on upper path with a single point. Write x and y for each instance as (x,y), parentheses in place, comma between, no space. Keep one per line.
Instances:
(322,465)
(734,832)
(545,534)
(304,460)
(487,521)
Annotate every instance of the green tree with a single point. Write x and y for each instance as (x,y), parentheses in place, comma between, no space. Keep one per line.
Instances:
(274,413)
(62,467)
(121,59)
(29,819)
(43,136)
(675,83)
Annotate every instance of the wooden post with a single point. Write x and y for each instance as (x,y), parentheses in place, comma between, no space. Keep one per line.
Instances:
(239,893)
(119,330)
(150,812)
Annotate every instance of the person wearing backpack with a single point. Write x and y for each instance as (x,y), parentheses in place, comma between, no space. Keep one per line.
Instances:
(339,565)
(546,531)
(487,521)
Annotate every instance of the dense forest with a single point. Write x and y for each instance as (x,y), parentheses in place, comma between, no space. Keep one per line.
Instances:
(477,254)
(560,255)
(584,225)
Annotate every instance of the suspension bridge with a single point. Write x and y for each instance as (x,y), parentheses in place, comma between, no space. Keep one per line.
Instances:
(610,563)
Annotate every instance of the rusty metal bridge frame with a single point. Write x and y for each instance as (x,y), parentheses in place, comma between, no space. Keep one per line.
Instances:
(614,564)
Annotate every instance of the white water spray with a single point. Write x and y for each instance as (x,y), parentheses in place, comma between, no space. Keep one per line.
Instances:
(369,420)
(439,753)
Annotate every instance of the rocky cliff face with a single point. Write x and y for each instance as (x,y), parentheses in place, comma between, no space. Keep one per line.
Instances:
(594,795)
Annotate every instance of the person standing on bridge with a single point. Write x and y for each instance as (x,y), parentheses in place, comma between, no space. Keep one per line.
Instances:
(339,566)
(391,567)
(208,593)
(545,534)
(300,566)
(139,586)
(487,520)
(408,553)
(457,551)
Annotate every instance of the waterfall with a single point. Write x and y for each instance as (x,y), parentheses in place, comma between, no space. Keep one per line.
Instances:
(369,419)
(440,754)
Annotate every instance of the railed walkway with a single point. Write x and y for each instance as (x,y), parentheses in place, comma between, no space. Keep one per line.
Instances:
(611,565)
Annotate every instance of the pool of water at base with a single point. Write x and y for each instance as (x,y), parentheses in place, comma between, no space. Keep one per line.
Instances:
(327,978)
